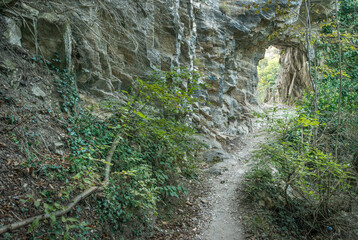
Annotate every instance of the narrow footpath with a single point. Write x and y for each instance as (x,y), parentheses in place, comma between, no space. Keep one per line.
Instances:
(220,217)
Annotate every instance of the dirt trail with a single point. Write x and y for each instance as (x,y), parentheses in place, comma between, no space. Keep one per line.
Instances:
(220,218)
(220,215)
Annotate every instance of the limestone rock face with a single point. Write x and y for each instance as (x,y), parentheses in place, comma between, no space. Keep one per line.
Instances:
(294,77)
(107,44)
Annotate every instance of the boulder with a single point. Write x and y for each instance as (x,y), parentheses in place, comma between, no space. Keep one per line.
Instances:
(214,156)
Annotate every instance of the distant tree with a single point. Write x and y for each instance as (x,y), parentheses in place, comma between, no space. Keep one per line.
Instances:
(268,72)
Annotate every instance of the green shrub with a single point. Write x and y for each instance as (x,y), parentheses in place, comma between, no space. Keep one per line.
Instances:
(302,189)
(156,148)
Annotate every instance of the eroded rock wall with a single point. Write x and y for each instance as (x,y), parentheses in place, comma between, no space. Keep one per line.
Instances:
(294,78)
(108,43)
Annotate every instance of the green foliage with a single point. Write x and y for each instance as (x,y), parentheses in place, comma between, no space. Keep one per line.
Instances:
(155,152)
(68,227)
(327,76)
(268,71)
(302,190)
(67,88)
(131,196)
(272,219)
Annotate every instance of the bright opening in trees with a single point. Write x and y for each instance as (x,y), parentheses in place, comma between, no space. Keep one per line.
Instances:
(268,71)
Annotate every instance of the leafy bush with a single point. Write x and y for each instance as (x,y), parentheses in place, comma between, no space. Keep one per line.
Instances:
(130,194)
(155,153)
(327,76)
(307,176)
(156,148)
(272,219)
(303,190)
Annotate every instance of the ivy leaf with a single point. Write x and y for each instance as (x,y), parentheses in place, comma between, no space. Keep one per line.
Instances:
(53,218)
(141,115)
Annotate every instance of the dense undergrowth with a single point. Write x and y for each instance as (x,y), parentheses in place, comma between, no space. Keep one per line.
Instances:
(156,148)
(155,154)
(301,189)
(304,182)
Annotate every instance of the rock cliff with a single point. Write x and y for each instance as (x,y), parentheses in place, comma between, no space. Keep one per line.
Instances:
(108,43)
(293,79)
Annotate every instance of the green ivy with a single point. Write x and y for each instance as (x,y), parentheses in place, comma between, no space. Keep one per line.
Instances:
(156,149)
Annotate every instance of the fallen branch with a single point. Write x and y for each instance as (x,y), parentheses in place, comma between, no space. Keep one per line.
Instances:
(24,120)
(109,158)
(74,201)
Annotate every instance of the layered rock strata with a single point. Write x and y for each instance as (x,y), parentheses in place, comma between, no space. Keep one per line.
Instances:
(106,44)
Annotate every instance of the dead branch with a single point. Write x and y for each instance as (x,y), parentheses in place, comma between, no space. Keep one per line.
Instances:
(24,120)
(109,158)
(74,201)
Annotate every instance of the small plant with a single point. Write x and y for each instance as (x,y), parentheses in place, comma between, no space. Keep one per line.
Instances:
(155,151)
(156,147)
(68,227)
